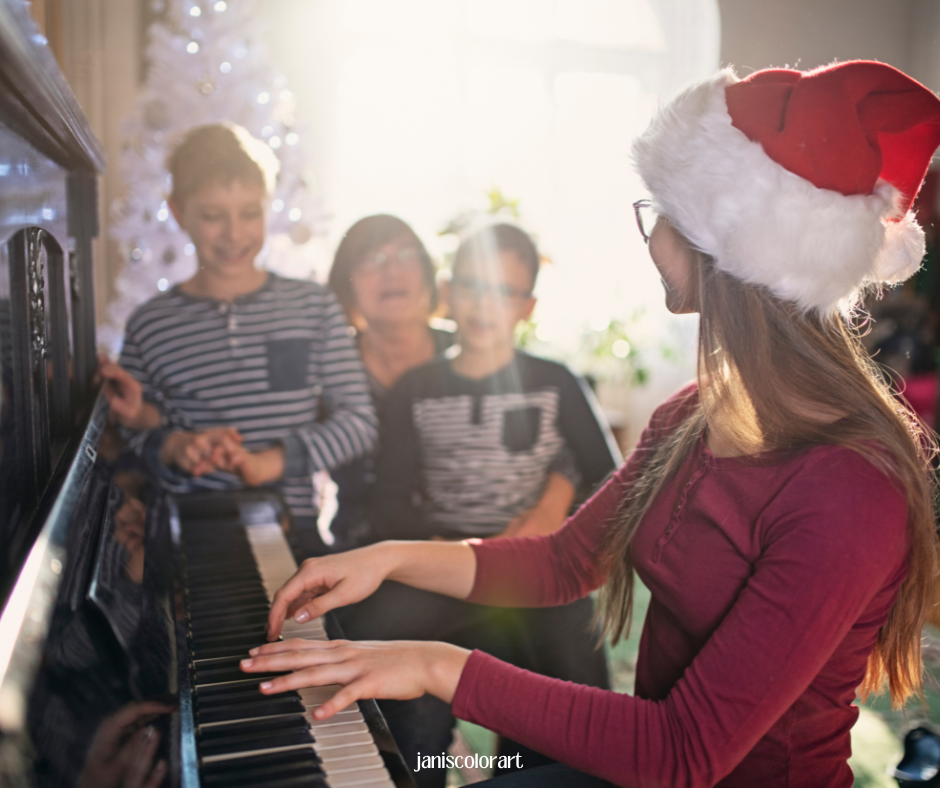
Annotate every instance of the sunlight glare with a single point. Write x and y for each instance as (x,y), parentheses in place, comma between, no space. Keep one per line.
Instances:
(416,19)
(516,20)
(621,24)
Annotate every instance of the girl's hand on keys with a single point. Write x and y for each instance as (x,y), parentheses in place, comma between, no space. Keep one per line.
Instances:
(397,669)
(322,584)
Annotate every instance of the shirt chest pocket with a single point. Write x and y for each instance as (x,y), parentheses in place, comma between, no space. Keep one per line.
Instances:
(288,363)
(521,428)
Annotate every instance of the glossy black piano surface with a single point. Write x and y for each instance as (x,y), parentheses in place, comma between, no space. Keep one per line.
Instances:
(113,668)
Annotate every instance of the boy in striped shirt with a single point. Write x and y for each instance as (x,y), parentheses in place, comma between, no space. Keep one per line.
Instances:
(237,363)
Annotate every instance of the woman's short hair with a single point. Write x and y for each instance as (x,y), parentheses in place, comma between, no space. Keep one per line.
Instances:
(219,153)
(497,238)
(365,236)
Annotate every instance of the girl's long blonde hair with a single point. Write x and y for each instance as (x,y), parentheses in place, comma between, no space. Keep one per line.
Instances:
(773,378)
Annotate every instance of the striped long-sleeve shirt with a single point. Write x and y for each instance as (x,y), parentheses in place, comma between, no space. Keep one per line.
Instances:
(266,364)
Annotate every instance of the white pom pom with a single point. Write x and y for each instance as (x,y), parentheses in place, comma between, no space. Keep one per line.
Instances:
(902,252)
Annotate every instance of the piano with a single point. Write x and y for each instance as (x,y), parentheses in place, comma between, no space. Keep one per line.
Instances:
(118,660)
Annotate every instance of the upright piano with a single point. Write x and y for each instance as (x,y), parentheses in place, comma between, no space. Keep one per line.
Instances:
(124,610)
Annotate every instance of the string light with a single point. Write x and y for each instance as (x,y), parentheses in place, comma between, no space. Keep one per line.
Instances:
(225,67)
(195,11)
(220,6)
(275,142)
(162,285)
(192,47)
(295,214)
(264,98)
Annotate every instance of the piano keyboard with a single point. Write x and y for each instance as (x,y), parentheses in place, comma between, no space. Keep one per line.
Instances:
(244,738)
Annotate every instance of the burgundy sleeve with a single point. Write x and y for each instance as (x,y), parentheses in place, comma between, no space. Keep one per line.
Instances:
(543,571)
(830,546)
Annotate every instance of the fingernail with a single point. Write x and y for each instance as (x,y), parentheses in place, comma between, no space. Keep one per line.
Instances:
(246,663)
(265,685)
(319,713)
(302,615)
(253,651)
(150,732)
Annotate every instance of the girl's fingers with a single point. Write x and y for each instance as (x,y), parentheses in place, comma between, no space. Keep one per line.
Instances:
(356,690)
(315,676)
(294,589)
(294,644)
(319,605)
(295,659)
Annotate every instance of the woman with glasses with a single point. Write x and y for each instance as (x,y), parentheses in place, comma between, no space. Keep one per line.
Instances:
(780,509)
(385,280)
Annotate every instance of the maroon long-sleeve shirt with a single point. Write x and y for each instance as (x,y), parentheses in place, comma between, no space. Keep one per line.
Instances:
(769,583)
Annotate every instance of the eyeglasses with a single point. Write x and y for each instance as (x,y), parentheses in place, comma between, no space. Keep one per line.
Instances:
(475,288)
(645,217)
(406,257)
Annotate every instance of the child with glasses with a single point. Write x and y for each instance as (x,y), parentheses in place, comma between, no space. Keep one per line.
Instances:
(467,446)
(471,439)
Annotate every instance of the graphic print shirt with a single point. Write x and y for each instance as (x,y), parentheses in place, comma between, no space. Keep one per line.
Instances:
(461,457)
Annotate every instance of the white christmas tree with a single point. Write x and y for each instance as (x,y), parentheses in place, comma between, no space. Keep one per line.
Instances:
(207,62)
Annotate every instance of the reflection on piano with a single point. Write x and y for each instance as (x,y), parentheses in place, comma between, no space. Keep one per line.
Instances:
(116,666)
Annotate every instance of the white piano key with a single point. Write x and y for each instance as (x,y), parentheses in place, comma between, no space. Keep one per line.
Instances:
(343,742)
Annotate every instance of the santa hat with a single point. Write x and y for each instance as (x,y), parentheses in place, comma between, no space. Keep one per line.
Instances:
(798,181)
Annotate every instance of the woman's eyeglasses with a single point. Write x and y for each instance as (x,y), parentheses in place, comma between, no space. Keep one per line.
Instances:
(406,257)
(466,287)
(645,217)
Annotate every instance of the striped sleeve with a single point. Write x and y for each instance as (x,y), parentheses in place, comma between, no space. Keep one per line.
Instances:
(350,427)
(132,360)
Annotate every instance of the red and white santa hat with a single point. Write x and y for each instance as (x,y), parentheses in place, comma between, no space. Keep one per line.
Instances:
(798,181)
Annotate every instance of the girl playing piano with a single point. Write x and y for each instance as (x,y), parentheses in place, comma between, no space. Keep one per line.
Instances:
(780,509)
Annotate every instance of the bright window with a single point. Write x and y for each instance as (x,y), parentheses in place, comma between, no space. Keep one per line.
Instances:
(419,107)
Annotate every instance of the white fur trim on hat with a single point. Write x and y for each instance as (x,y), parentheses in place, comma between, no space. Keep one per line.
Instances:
(762,223)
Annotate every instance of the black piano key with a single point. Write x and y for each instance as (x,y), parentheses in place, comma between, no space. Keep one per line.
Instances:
(263,769)
(268,733)
(225,589)
(263,707)
(248,685)
(295,779)
(215,675)
(231,634)
(217,697)
(225,623)
(252,728)
(212,581)
(233,598)
(242,608)
(239,649)
(286,760)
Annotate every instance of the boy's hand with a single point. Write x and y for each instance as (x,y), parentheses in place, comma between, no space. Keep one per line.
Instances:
(198,453)
(125,397)
(260,467)
(548,515)
(530,523)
